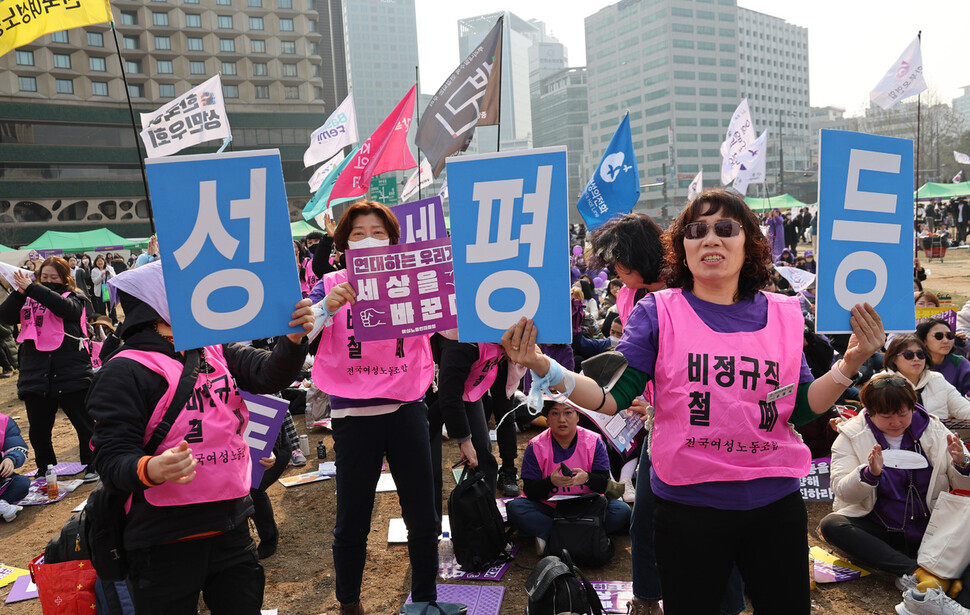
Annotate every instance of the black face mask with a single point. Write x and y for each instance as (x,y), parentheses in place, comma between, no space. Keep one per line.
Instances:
(53,286)
(312,248)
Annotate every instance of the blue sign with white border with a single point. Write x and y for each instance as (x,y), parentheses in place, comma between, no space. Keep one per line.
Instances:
(510,243)
(865,225)
(227,254)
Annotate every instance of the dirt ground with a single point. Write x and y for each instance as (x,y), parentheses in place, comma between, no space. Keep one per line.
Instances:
(299,578)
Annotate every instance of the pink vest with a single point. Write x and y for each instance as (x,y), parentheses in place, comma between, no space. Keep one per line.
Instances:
(581,458)
(625,303)
(212,422)
(399,369)
(309,278)
(41,325)
(713,421)
(483,372)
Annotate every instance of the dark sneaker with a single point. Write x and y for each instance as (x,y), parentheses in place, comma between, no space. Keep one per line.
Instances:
(507,484)
(90,476)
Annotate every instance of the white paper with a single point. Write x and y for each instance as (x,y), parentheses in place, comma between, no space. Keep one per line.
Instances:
(386,483)
(397,532)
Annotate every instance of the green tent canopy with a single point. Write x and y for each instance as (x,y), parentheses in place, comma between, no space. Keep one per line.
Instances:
(4,248)
(300,228)
(84,241)
(931,190)
(782,201)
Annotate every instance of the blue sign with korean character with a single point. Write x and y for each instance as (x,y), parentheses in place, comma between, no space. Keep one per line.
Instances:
(865,224)
(510,243)
(224,236)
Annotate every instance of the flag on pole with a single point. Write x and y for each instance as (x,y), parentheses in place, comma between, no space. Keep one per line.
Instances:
(614,187)
(798,278)
(195,117)
(339,131)
(958,177)
(443,193)
(904,78)
(961,158)
(740,135)
(323,171)
(752,169)
(469,97)
(35,18)
(696,186)
(320,201)
(427,178)
(385,150)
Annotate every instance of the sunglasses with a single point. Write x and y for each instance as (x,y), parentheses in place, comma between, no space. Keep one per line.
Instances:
(723,228)
(895,381)
(909,354)
(939,335)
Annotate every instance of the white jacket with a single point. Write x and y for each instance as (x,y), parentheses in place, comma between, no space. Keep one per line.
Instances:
(850,453)
(940,398)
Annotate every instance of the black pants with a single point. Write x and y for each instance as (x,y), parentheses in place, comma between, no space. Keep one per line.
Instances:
(498,405)
(480,440)
(360,443)
(869,543)
(166,579)
(41,412)
(769,545)
(263,517)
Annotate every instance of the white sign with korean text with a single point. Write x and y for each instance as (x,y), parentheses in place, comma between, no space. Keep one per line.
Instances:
(197,116)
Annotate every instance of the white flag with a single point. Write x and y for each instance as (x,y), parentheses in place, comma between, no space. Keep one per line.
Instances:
(752,160)
(740,135)
(427,178)
(321,173)
(696,186)
(961,158)
(904,78)
(798,278)
(339,131)
(443,194)
(195,117)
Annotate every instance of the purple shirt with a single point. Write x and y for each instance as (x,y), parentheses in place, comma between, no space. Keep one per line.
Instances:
(956,370)
(532,471)
(639,345)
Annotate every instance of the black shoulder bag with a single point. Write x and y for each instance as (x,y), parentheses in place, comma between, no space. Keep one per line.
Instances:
(103,517)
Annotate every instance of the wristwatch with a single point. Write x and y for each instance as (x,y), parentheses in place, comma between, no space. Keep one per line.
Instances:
(965,463)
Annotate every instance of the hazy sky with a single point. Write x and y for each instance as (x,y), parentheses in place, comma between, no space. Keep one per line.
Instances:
(851,43)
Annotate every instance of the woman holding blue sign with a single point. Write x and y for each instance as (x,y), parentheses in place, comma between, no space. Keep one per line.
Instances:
(377,405)
(730,375)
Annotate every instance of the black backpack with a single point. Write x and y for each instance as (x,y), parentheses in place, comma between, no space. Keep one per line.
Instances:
(557,587)
(579,527)
(477,529)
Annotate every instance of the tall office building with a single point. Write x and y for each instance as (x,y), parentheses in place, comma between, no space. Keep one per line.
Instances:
(333,68)
(68,159)
(961,106)
(381,42)
(518,36)
(823,118)
(560,116)
(774,79)
(676,66)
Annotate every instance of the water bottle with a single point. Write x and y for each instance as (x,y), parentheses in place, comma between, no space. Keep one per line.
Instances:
(51,479)
(321,450)
(446,557)
(305,445)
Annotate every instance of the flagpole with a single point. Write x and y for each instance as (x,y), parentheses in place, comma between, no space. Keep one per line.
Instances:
(919,36)
(417,111)
(501,74)
(134,128)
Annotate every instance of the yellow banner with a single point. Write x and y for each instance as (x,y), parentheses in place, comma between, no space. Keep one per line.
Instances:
(24,21)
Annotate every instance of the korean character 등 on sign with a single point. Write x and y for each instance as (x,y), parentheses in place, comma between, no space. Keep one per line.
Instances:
(227,255)
(510,242)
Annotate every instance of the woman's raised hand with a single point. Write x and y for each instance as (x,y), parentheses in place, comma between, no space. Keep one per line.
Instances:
(519,342)
(867,337)
(22,280)
(302,317)
(340,295)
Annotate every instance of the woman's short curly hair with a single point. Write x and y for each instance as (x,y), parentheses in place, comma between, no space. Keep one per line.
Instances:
(757,261)
(633,240)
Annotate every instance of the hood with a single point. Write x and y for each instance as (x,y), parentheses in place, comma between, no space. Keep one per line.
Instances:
(141,292)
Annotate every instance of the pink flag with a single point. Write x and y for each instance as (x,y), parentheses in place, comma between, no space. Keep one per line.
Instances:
(385,150)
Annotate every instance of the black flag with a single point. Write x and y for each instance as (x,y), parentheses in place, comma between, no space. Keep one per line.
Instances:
(469,97)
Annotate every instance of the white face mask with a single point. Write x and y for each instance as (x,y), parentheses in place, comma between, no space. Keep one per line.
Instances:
(614,341)
(368,242)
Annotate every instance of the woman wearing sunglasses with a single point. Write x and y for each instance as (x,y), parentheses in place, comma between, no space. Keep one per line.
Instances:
(730,377)
(907,357)
(938,337)
(881,511)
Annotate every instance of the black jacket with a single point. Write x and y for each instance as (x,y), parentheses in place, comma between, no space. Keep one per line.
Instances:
(121,401)
(51,373)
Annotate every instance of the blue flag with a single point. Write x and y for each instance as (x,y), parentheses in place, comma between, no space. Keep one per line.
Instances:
(318,204)
(614,187)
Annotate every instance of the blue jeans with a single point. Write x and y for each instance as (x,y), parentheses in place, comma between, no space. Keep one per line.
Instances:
(16,490)
(646,577)
(360,443)
(532,518)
